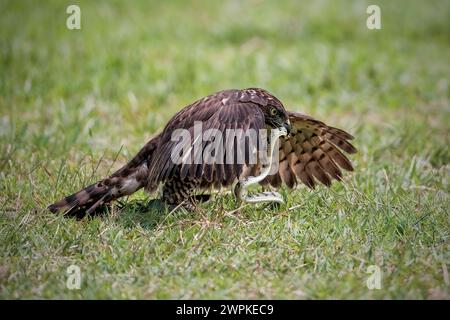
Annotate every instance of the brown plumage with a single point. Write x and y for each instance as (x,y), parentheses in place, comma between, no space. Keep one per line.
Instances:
(313,151)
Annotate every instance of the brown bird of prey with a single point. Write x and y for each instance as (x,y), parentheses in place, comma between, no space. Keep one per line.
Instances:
(308,151)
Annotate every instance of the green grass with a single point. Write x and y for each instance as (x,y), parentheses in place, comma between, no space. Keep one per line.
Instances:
(75,105)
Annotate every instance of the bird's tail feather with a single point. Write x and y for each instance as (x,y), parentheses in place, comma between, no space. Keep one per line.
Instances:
(89,199)
(127,180)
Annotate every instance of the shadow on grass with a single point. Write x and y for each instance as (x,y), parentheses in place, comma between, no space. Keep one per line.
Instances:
(144,213)
(149,214)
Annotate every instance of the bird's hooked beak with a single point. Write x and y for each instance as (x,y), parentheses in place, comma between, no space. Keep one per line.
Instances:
(288,127)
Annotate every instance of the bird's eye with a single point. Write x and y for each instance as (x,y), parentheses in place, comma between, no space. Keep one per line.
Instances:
(273,111)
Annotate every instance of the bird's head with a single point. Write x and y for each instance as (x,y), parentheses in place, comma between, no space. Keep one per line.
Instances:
(276,116)
(274,113)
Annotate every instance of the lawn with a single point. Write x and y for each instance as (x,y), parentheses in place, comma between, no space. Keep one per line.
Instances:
(76,104)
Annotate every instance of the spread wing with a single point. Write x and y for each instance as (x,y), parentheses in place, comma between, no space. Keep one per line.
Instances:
(314,151)
(221,111)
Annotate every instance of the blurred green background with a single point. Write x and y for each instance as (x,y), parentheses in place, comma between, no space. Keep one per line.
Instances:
(76,103)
